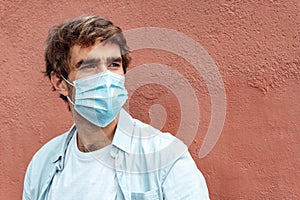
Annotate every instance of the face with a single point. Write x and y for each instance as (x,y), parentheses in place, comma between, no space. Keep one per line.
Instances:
(87,61)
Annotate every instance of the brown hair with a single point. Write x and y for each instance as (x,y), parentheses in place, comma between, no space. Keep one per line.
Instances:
(83,31)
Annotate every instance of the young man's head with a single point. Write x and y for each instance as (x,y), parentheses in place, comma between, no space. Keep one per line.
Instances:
(69,44)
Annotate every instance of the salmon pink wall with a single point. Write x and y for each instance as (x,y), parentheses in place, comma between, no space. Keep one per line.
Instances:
(255,46)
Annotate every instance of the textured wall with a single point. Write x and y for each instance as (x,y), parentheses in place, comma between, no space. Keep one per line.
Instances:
(255,45)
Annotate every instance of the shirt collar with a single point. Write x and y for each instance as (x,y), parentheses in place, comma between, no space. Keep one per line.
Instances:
(61,152)
(124,132)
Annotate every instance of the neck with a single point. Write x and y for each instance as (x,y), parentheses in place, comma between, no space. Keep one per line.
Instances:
(91,137)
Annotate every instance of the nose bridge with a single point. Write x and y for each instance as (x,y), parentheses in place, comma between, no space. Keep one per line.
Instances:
(102,66)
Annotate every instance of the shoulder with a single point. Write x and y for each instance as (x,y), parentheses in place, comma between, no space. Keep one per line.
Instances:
(52,148)
(42,166)
(153,139)
(51,151)
(161,149)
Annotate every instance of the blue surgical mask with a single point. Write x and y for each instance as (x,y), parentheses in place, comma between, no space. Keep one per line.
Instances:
(100,97)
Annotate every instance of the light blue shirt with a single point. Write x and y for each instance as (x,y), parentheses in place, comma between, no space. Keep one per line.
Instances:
(149,165)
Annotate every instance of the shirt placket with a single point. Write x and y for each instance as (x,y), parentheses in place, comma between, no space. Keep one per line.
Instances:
(122,176)
(45,190)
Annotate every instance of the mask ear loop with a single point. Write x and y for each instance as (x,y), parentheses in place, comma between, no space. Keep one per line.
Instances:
(67,80)
(71,85)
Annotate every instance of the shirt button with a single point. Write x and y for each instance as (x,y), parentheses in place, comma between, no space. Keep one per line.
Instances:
(50,174)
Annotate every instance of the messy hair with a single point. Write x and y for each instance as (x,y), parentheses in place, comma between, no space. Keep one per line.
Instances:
(83,31)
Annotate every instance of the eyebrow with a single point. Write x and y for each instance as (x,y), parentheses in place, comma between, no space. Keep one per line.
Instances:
(114,59)
(87,61)
(94,60)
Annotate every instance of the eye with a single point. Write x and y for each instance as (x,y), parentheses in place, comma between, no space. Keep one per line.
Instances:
(114,64)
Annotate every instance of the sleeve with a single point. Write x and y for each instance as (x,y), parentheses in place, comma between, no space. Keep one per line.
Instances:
(184,181)
(26,188)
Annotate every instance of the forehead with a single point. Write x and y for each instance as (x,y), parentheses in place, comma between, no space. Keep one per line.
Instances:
(98,50)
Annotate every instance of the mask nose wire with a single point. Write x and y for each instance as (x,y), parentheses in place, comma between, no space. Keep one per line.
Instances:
(71,85)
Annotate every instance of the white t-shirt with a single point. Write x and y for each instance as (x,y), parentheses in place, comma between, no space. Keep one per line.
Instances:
(84,176)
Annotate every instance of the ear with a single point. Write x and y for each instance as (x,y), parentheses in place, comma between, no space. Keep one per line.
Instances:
(59,84)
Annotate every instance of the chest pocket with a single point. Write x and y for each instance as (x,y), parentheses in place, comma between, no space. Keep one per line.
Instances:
(149,195)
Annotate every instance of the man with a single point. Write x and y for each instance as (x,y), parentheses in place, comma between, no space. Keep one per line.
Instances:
(106,154)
